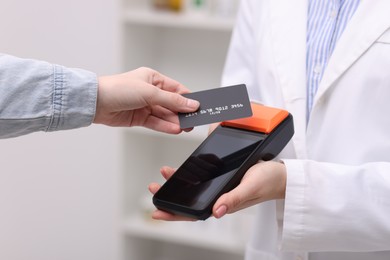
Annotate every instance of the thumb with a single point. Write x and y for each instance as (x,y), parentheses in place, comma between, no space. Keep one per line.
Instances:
(174,101)
(228,203)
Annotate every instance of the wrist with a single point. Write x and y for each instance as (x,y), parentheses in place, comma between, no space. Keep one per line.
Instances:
(283,179)
(97,118)
(278,170)
(274,182)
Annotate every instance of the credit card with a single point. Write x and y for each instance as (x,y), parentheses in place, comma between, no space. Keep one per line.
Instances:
(217,105)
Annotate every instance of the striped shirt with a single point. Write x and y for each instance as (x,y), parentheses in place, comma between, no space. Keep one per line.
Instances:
(327,20)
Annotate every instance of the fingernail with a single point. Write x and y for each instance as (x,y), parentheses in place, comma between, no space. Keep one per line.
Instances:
(221,211)
(192,103)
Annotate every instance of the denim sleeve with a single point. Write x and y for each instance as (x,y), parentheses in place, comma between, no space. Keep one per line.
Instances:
(39,96)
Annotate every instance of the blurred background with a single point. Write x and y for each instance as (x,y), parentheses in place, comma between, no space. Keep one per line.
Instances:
(82,194)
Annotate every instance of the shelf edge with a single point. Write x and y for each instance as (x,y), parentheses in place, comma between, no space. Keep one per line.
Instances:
(136,226)
(173,20)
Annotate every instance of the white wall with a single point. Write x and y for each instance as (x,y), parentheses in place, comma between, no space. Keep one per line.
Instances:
(59,191)
(73,33)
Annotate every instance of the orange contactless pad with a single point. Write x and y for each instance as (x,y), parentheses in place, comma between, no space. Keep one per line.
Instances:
(264,119)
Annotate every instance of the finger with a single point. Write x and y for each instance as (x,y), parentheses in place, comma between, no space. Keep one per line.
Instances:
(162,215)
(167,172)
(168,84)
(165,114)
(168,115)
(154,187)
(232,201)
(174,102)
(161,125)
(187,130)
(154,116)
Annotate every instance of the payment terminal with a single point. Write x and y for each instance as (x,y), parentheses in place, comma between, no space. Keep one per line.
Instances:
(222,159)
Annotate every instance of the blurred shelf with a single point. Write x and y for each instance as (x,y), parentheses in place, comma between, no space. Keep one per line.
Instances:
(151,17)
(191,47)
(202,234)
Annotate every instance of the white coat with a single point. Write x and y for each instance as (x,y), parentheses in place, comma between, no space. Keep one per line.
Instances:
(337,204)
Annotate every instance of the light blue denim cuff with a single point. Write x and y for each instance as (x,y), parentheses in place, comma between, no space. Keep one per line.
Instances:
(74,98)
(39,96)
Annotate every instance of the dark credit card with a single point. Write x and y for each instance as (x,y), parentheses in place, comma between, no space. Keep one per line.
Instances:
(217,105)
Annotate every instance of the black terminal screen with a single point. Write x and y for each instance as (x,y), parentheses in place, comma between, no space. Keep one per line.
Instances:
(210,167)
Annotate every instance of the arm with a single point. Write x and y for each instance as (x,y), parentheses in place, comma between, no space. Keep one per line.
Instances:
(35,96)
(328,207)
(39,96)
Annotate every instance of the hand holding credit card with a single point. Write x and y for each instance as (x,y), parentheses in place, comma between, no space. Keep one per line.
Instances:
(217,105)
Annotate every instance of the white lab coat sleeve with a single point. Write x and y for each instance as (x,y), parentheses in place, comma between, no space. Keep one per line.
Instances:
(332,207)
(240,61)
